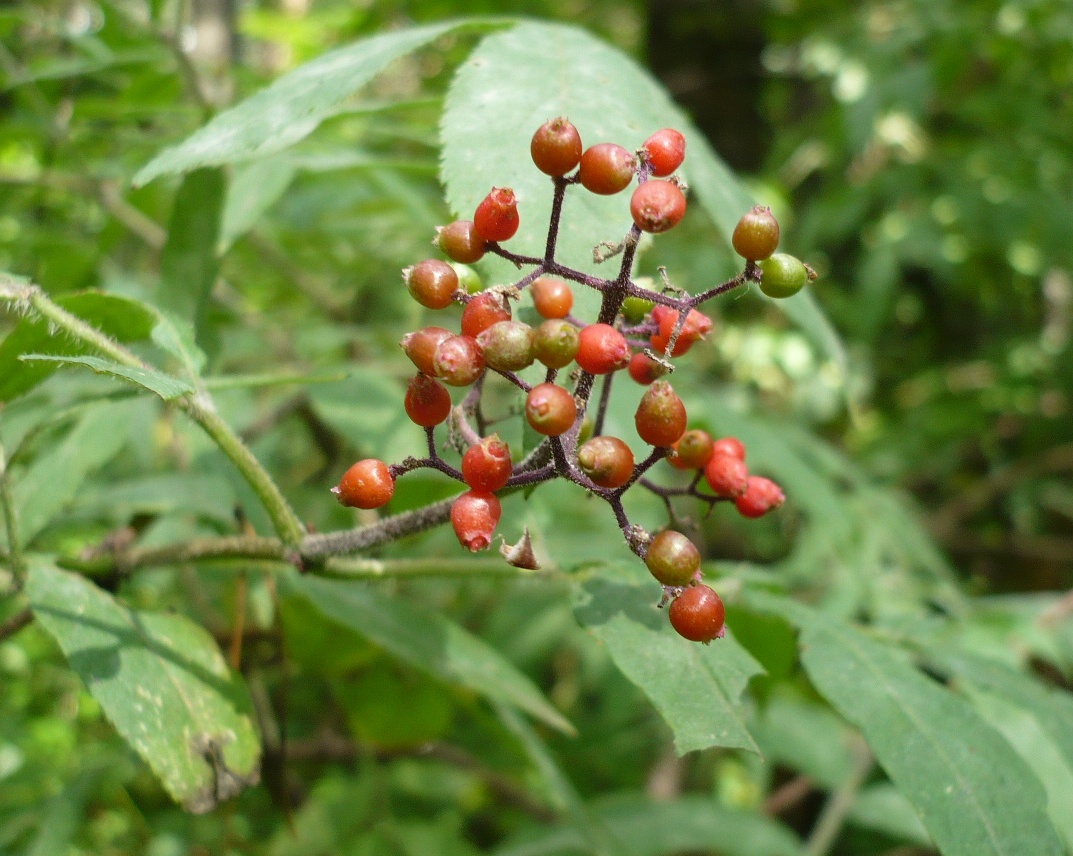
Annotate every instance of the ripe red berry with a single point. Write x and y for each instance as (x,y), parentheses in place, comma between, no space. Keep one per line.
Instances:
(657,206)
(661,416)
(421,344)
(496,218)
(550,409)
(602,349)
(474,516)
(508,345)
(607,168)
(666,150)
(697,325)
(698,614)
(486,466)
(730,446)
(427,401)
(367,484)
(484,310)
(693,450)
(607,461)
(782,275)
(460,241)
(458,361)
(556,147)
(643,369)
(556,343)
(672,558)
(757,234)
(432,283)
(727,476)
(761,496)
(552,297)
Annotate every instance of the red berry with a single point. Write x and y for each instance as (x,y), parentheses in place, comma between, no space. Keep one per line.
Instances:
(508,345)
(666,150)
(427,401)
(486,465)
(657,206)
(550,409)
(460,241)
(458,361)
(698,614)
(607,461)
(757,234)
(474,516)
(496,218)
(727,476)
(556,343)
(367,484)
(643,369)
(432,283)
(693,450)
(484,310)
(421,344)
(697,325)
(672,558)
(552,297)
(761,496)
(607,168)
(661,416)
(602,349)
(729,446)
(556,147)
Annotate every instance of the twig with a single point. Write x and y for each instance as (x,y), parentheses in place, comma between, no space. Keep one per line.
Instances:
(838,805)
(15,623)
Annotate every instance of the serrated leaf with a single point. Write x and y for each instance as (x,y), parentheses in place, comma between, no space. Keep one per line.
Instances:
(884,808)
(427,641)
(291,108)
(165,386)
(704,710)
(160,680)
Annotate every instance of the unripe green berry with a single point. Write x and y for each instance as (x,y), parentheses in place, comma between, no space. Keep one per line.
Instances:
(556,343)
(672,558)
(507,345)
(782,275)
(757,234)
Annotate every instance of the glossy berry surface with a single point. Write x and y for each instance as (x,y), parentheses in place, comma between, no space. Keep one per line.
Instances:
(761,496)
(556,343)
(432,283)
(460,241)
(427,401)
(421,344)
(508,345)
(484,310)
(693,450)
(661,417)
(552,297)
(550,410)
(757,234)
(726,476)
(672,558)
(696,326)
(458,361)
(666,149)
(698,614)
(657,206)
(782,275)
(486,466)
(474,517)
(602,349)
(606,168)
(729,446)
(367,484)
(556,147)
(644,370)
(496,218)
(607,461)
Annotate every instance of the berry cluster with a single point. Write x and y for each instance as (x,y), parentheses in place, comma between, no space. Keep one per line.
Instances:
(638,329)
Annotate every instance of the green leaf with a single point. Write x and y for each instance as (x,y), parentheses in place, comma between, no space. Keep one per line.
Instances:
(293,106)
(704,710)
(254,189)
(975,796)
(62,816)
(165,386)
(161,681)
(429,642)
(884,808)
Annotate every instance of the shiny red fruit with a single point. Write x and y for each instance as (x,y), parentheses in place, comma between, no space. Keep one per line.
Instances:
(496,218)
(367,484)
(474,517)
(698,614)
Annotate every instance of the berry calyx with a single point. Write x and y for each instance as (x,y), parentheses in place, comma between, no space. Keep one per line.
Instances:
(727,476)
(496,218)
(427,401)
(661,416)
(550,410)
(606,168)
(657,206)
(698,614)
(421,344)
(556,147)
(757,234)
(486,466)
(693,450)
(552,297)
(729,446)
(607,461)
(672,558)
(782,275)
(556,343)
(507,345)
(474,517)
(458,361)
(367,484)
(460,241)
(484,310)
(432,283)
(761,496)
(665,149)
(602,349)
(644,370)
